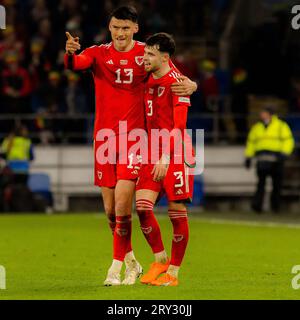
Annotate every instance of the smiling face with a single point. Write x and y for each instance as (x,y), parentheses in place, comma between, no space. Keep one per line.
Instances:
(154,59)
(122,32)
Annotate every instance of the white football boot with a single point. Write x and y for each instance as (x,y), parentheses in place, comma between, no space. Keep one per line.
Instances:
(132,272)
(112,279)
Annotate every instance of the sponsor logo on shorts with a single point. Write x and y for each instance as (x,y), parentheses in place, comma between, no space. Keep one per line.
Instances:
(178,192)
(177,237)
(146,230)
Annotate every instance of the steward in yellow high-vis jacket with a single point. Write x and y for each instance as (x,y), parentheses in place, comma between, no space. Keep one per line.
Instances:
(270,141)
(18,151)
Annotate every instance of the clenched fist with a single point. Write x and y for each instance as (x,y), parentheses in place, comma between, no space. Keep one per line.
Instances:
(72,44)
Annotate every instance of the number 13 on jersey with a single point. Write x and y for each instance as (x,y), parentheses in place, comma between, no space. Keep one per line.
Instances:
(125,77)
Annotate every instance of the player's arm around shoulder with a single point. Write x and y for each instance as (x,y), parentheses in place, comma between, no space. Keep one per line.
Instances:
(77,62)
(184,86)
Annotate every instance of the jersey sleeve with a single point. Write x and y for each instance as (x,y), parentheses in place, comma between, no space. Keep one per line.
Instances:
(180,111)
(181,101)
(82,61)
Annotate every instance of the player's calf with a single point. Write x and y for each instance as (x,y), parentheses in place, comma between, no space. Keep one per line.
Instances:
(149,225)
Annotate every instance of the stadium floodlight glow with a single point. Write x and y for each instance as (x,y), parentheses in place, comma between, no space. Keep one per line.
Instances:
(2,18)
(2,278)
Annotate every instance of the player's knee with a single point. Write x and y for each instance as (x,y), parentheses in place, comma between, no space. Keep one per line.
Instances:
(109,211)
(123,208)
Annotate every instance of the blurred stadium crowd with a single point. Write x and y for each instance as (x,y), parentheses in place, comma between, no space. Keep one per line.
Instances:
(52,100)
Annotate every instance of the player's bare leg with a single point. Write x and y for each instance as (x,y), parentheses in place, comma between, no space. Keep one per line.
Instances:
(113,277)
(178,215)
(108,195)
(124,193)
(145,200)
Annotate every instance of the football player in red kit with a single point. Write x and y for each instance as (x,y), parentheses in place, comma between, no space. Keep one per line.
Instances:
(119,79)
(170,173)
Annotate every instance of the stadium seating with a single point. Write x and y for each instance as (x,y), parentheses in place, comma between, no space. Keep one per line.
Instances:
(39,183)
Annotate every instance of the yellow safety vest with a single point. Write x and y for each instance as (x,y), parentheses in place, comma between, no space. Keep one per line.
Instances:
(20,148)
(276,137)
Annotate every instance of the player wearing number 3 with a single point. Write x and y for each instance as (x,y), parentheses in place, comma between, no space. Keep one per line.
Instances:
(171,172)
(119,79)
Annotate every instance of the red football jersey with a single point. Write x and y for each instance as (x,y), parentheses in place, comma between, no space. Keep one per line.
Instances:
(119,79)
(160,102)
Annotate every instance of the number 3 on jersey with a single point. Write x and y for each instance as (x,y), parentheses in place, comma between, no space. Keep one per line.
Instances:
(150,108)
(128,76)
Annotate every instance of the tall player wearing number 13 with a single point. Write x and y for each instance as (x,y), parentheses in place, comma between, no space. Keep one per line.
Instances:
(119,78)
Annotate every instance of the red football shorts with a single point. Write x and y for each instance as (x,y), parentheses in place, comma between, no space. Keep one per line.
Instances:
(115,161)
(177,185)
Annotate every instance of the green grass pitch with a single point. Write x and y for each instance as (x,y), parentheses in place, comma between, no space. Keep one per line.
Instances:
(66,256)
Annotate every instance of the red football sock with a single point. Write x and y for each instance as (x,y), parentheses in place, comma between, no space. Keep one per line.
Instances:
(149,225)
(122,237)
(112,225)
(180,235)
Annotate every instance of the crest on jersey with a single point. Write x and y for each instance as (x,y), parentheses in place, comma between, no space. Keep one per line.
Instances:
(151,90)
(99,175)
(123,62)
(139,60)
(161,91)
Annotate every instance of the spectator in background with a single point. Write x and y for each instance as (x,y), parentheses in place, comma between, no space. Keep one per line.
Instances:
(75,97)
(16,86)
(39,10)
(76,105)
(50,97)
(271,142)
(10,43)
(209,83)
(49,102)
(18,152)
(39,65)
(239,102)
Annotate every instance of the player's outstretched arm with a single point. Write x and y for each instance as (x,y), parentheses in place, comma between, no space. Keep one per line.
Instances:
(185,86)
(72,61)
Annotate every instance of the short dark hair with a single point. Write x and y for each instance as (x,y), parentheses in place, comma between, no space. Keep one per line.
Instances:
(163,41)
(269,109)
(125,13)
